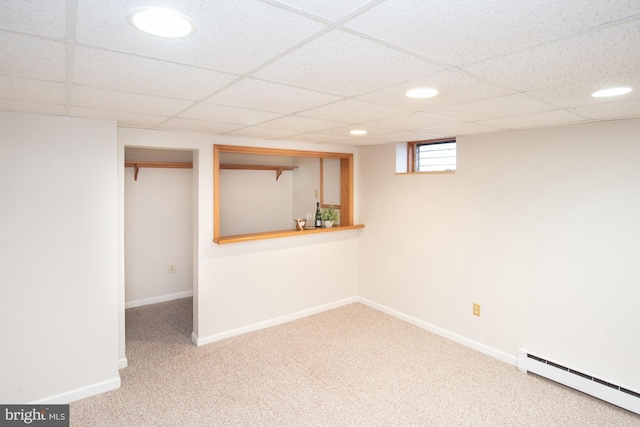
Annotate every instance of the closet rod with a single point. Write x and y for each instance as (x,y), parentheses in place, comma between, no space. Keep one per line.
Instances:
(170,165)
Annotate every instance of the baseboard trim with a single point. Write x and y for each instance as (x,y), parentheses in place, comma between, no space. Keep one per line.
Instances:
(272,322)
(80,393)
(155,300)
(482,348)
(123,363)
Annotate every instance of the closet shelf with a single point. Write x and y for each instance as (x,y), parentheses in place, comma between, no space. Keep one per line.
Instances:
(278,169)
(170,165)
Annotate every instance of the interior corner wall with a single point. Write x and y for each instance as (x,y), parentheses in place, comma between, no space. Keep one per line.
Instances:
(240,286)
(539,227)
(58,257)
(158,233)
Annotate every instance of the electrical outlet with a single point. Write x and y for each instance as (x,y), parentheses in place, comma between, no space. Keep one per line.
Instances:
(316,193)
(172,268)
(476,310)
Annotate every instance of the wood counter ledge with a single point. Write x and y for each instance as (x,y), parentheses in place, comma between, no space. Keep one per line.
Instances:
(283,233)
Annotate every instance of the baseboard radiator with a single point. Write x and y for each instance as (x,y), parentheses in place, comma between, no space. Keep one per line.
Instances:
(615,394)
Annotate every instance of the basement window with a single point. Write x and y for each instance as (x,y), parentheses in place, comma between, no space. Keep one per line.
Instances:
(432,156)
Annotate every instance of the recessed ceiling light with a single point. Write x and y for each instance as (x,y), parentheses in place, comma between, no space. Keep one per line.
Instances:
(358,132)
(161,22)
(422,92)
(614,91)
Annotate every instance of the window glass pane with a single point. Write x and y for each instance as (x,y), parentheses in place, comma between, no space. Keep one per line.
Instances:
(436,157)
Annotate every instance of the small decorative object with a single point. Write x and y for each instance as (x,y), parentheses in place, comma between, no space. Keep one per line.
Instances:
(330,215)
(300,222)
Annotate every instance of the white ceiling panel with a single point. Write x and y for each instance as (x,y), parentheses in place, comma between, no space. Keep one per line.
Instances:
(32,90)
(127,73)
(461,32)
(32,107)
(223,114)
(333,10)
(463,129)
(547,118)
(238,35)
(413,121)
(309,71)
(265,133)
(510,105)
(607,54)
(83,96)
(454,87)
(346,65)
(301,124)
(39,17)
(46,58)
(610,110)
(200,126)
(261,95)
(126,119)
(353,111)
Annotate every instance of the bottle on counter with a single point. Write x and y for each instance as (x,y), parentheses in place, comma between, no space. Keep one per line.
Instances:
(318,216)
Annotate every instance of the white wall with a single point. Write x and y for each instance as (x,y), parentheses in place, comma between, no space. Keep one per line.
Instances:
(241,285)
(540,227)
(58,257)
(158,233)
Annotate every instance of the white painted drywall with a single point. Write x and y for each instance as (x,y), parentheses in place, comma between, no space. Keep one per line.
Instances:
(540,227)
(242,284)
(158,233)
(58,257)
(306,182)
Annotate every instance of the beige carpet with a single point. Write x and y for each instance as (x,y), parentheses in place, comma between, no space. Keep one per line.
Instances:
(352,366)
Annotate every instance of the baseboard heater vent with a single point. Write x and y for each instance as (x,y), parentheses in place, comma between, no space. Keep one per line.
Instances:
(608,391)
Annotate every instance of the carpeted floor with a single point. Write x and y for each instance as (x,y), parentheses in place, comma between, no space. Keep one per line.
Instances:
(352,366)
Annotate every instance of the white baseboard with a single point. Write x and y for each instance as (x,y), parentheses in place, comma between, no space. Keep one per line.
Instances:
(123,363)
(273,322)
(80,393)
(489,351)
(155,300)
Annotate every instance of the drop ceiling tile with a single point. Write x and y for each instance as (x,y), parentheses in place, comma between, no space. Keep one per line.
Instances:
(237,36)
(266,96)
(31,58)
(353,111)
(262,133)
(579,93)
(505,106)
(188,125)
(127,73)
(38,17)
(327,9)
(32,107)
(83,96)
(343,131)
(232,115)
(606,54)
(32,90)
(346,65)
(463,129)
(547,118)
(301,124)
(395,137)
(124,119)
(467,31)
(412,121)
(312,137)
(610,110)
(454,87)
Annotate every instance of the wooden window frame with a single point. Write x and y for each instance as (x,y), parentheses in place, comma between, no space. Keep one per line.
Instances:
(346,190)
(411,153)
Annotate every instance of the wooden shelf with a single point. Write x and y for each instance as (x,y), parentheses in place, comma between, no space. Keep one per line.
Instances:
(282,233)
(170,165)
(278,169)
